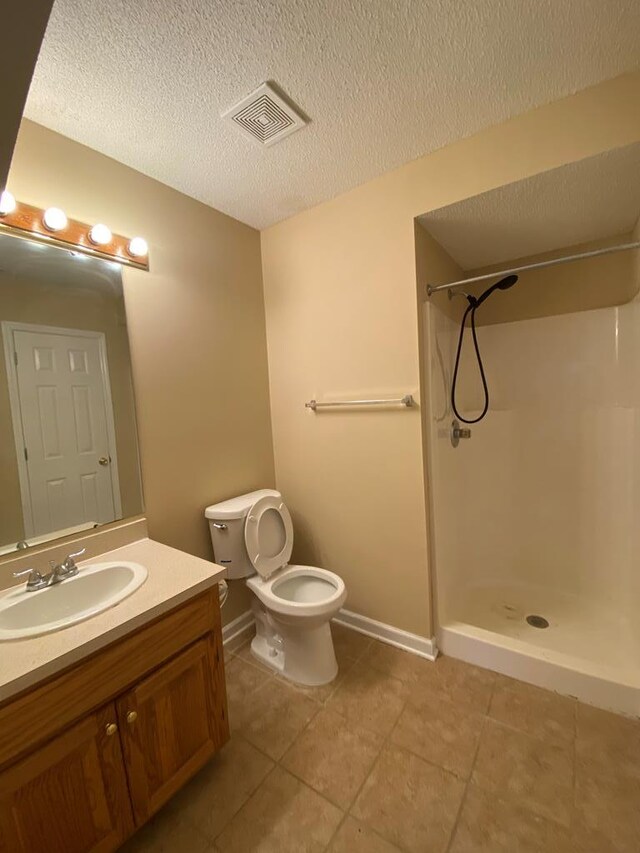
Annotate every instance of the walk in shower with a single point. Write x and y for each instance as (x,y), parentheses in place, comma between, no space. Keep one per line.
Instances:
(535,518)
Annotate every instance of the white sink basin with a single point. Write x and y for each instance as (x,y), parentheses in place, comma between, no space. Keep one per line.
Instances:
(96,588)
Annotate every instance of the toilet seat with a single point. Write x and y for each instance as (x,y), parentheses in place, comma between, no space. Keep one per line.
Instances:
(268,535)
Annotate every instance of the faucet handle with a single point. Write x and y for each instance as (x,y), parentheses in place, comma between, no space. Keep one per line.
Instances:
(35,580)
(69,564)
(69,560)
(77,554)
(26,572)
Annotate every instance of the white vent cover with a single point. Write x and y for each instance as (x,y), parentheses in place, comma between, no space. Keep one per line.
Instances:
(265,116)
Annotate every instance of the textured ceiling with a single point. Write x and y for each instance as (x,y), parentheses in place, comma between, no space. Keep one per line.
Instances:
(589,200)
(383,81)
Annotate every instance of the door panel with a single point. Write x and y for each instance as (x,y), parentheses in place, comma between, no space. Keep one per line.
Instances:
(49,419)
(70,796)
(63,412)
(82,405)
(171,724)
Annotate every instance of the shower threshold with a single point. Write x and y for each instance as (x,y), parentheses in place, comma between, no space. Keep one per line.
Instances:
(585,650)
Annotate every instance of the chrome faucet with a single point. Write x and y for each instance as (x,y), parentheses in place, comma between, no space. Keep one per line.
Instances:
(59,572)
(66,569)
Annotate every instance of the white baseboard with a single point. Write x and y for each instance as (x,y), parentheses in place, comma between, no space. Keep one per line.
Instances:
(238,630)
(423,646)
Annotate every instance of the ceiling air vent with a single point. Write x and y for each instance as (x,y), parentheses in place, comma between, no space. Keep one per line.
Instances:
(265,116)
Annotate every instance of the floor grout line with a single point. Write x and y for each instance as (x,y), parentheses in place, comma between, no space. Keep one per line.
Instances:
(322,707)
(243,804)
(385,739)
(347,812)
(278,762)
(549,740)
(574,798)
(388,741)
(463,799)
(355,664)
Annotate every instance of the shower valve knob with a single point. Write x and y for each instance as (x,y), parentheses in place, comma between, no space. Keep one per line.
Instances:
(458,432)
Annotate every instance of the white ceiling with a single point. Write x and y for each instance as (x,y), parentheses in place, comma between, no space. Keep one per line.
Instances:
(383,81)
(589,200)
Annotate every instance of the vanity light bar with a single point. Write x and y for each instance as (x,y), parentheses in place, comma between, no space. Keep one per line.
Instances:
(53,227)
(7,203)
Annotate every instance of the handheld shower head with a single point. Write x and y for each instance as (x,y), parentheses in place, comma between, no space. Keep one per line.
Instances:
(507,282)
(504,284)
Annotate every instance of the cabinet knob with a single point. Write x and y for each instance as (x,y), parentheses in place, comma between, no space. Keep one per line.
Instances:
(110,729)
(132,716)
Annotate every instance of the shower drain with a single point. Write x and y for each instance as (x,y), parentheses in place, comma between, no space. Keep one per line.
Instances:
(537,621)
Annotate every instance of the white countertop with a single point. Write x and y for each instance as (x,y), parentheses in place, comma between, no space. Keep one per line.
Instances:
(173,577)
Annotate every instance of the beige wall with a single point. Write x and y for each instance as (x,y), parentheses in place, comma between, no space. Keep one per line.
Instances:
(22,26)
(635,237)
(340,291)
(97,305)
(434,265)
(564,289)
(196,328)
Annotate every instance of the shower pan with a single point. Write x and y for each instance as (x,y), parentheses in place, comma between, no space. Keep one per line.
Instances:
(535,536)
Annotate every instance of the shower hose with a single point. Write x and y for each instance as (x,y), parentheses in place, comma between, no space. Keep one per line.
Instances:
(471,309)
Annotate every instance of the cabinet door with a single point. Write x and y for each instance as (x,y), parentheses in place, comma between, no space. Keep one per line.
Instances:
(171,724)
(70,796)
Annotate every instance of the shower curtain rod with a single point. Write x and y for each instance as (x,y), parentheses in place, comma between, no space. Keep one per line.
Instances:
(434,288)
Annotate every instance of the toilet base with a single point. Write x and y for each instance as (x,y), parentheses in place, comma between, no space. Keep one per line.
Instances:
(309,657)
(304,655)
(272,657)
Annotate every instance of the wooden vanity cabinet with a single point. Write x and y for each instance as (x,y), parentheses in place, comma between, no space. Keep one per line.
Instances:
(169,728)
(83,785)
(70,795)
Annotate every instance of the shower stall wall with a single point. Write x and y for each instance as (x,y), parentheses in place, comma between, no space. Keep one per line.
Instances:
(538,513)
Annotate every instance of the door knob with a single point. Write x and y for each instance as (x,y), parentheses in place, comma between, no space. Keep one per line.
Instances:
(110,729)
(104,460)
(132,716)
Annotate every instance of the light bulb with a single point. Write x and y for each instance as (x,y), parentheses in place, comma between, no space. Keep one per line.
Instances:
(54,219)
(138,247)
(7,203)
(100,235)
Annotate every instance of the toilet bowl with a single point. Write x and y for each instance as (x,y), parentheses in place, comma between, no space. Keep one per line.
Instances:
(300,601)
(252,537)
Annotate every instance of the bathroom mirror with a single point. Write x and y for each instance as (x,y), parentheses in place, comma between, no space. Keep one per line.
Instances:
(68,439)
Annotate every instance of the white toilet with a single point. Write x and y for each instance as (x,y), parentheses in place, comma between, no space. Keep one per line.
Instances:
(252,537)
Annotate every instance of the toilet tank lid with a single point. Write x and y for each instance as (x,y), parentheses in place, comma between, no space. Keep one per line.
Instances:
(238,507)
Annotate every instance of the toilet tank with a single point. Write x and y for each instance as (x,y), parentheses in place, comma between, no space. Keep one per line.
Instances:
(226,525)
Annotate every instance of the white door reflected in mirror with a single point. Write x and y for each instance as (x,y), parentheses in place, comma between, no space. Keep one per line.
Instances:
(61,409)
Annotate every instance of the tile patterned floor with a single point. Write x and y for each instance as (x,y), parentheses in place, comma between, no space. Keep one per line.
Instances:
(400,754)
